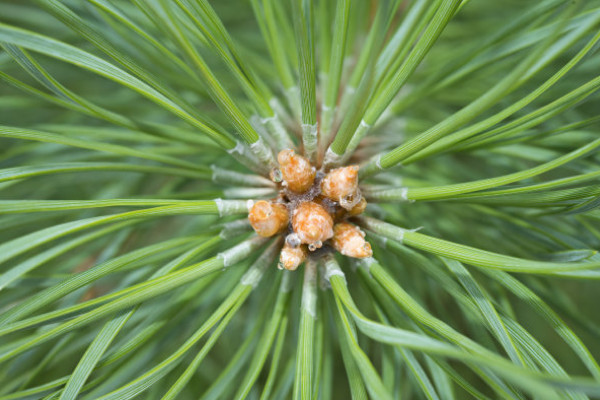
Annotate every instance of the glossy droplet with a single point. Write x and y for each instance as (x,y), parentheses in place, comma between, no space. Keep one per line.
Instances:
(348,202)
(276,175)
(293,240)
(268,218)
(312,223)
(315,245)
(358,208)
(349,240)
(296,171)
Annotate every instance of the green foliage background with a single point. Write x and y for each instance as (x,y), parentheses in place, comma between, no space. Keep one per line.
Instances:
(476,127)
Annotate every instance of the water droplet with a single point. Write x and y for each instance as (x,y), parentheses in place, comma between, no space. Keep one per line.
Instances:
(293,240)
(276,175)
(315,245)
(350,200)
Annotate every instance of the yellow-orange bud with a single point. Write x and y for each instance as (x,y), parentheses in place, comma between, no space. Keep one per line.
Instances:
(349,240)
(296,171)
(313,224)
(291,257)
(268,218)
(341,185)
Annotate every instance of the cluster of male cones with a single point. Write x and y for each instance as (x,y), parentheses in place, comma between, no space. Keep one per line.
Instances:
(311,210)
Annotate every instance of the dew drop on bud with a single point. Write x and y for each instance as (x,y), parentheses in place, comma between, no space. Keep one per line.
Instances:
(276,175)
(358,208)
(315,245)
(347,201)
(293,240)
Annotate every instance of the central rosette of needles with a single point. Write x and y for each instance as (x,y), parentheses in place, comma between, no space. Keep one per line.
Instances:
(311,210)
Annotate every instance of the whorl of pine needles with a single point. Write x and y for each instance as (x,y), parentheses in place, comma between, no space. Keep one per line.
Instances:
(459,253)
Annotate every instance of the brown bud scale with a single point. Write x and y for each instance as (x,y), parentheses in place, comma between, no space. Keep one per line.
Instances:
(349,240)
(268,218)
(291,257)
(341,185)
(296,171)
(312,223)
